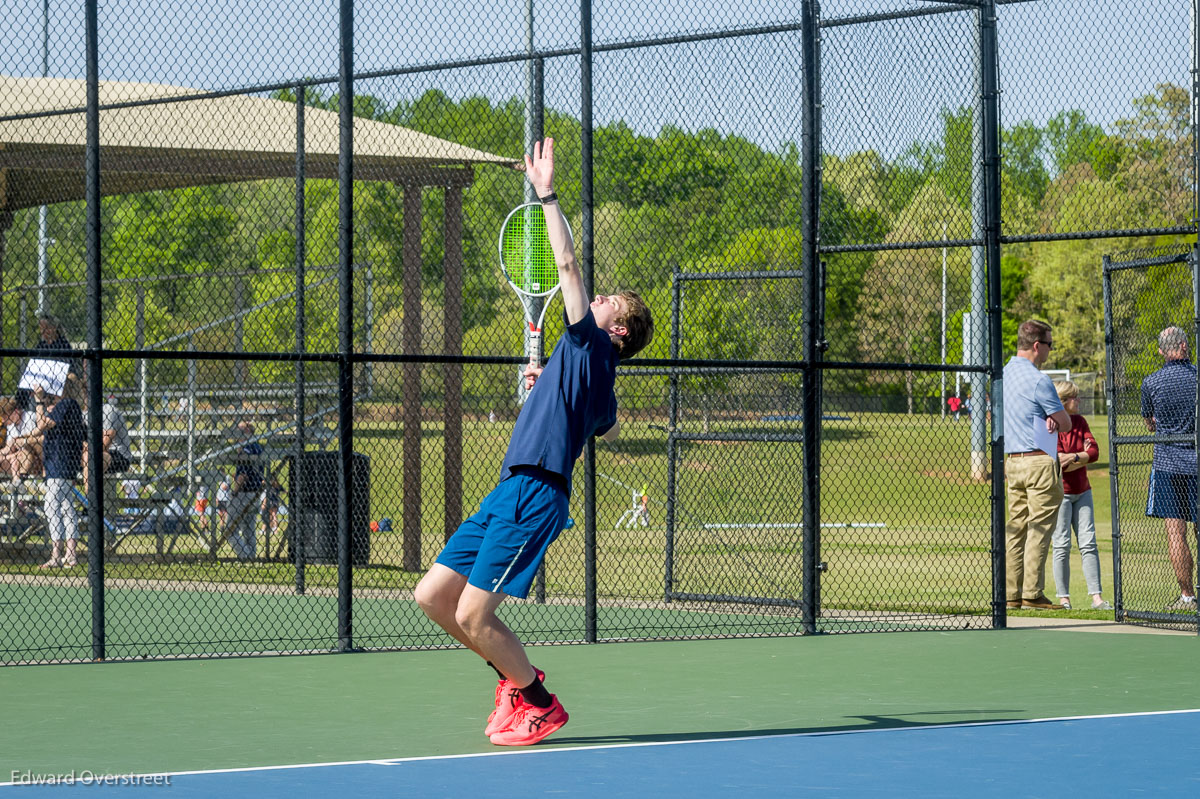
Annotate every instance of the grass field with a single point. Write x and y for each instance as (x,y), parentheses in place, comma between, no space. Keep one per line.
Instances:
(922,544)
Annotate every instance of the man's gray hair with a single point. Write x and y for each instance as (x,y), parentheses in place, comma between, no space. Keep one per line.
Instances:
(1172,340)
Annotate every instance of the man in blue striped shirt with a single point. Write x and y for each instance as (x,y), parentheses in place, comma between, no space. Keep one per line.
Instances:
(1169,408)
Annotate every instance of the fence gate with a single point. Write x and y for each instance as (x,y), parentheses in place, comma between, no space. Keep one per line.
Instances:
(734,547)
(1145,292)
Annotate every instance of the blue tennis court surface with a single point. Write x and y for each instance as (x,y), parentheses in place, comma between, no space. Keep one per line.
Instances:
(1119,755)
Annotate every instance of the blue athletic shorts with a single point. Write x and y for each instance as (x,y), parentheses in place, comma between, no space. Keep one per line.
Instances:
(1172,496)
(501,546)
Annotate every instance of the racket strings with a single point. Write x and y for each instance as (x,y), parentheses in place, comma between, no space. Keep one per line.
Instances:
(525,251)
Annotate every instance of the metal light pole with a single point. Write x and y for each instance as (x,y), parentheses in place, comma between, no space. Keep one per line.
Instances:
(977,346)
(43,265)
(942,396)
(533,132)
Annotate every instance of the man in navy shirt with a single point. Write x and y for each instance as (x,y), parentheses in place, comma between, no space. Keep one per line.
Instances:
(1169,408)
(60,427)
(496,553)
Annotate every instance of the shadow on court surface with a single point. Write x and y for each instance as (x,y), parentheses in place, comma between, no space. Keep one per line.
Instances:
(870,723)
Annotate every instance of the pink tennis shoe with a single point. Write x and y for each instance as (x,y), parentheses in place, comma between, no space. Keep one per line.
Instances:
(508,698)
(530,724)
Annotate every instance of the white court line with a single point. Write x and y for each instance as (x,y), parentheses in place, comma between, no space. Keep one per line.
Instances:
(511,753)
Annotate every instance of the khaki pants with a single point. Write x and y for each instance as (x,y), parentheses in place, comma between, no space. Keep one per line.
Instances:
(1035,494)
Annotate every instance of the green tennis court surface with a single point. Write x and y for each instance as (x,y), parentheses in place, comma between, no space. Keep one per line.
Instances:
(153,622)
(158,716)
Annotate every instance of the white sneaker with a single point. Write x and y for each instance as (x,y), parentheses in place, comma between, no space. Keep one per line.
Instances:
(1185,603)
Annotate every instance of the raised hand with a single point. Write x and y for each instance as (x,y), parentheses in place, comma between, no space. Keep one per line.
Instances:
(540,168)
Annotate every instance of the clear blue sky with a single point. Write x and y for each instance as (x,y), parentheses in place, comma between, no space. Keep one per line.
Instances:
(883,83)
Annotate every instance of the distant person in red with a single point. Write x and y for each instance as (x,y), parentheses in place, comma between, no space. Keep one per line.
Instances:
(955,406)
(1076,449)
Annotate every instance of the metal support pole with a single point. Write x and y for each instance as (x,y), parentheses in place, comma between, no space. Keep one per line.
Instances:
(532,99)
(43,242)
(95,337)
(990,105)
(942,392)
(536,132)
(139,338)
(191,417)
(672,442)
(368,368)
(452,410)
(587,253)
(1196,260)
(297,521)
(411,387)
(1195,265)
(975,344)
(1114,464)
(6,218)
(811,399)
(240,368)
(345,319)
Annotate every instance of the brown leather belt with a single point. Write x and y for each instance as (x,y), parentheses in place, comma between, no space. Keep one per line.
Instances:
(1029,452)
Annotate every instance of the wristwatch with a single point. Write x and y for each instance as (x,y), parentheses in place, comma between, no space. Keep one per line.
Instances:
(549,198)
(1076,458)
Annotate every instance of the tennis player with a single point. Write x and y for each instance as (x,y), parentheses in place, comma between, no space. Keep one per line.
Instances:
(496,553)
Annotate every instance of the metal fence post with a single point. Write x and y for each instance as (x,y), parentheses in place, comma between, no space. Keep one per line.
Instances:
(990,103)
(1194,263)
(296,519)
(535,131)
(586,251)
(672,442)
(345,320)
(95,339)
(1114,466)
(1195,257)
(811,402)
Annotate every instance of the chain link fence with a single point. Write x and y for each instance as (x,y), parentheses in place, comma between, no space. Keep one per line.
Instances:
(1150,321)
(270,236)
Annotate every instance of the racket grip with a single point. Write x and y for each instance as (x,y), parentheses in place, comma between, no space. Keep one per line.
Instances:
(535,340)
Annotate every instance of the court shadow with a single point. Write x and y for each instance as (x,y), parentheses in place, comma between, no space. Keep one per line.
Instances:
(866,724)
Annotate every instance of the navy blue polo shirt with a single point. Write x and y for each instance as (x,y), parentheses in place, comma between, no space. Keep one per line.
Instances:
(249,463)
(572,401)
(1169,395)
(62,449)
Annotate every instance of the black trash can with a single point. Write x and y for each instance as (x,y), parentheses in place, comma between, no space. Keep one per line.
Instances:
(314,511)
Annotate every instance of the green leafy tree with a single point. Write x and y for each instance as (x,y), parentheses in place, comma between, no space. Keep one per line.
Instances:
(1072,140)
(1024,170)
(899,311)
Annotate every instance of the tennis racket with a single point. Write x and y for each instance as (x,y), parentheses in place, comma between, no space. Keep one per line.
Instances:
(527,261)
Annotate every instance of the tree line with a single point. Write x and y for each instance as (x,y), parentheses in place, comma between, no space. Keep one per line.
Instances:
(691,201)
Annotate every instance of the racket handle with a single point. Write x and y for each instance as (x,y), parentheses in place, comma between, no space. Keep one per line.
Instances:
(535,340)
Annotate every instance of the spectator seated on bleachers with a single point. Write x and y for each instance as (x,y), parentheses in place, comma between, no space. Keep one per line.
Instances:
(21,455)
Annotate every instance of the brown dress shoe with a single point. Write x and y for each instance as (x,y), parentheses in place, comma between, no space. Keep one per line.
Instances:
(1014,604)
(1040,602)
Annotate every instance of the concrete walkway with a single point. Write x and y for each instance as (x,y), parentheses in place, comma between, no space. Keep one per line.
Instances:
(1049,621)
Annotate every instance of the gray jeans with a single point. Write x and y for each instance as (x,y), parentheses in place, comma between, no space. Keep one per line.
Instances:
(1076,512)
(243,524)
